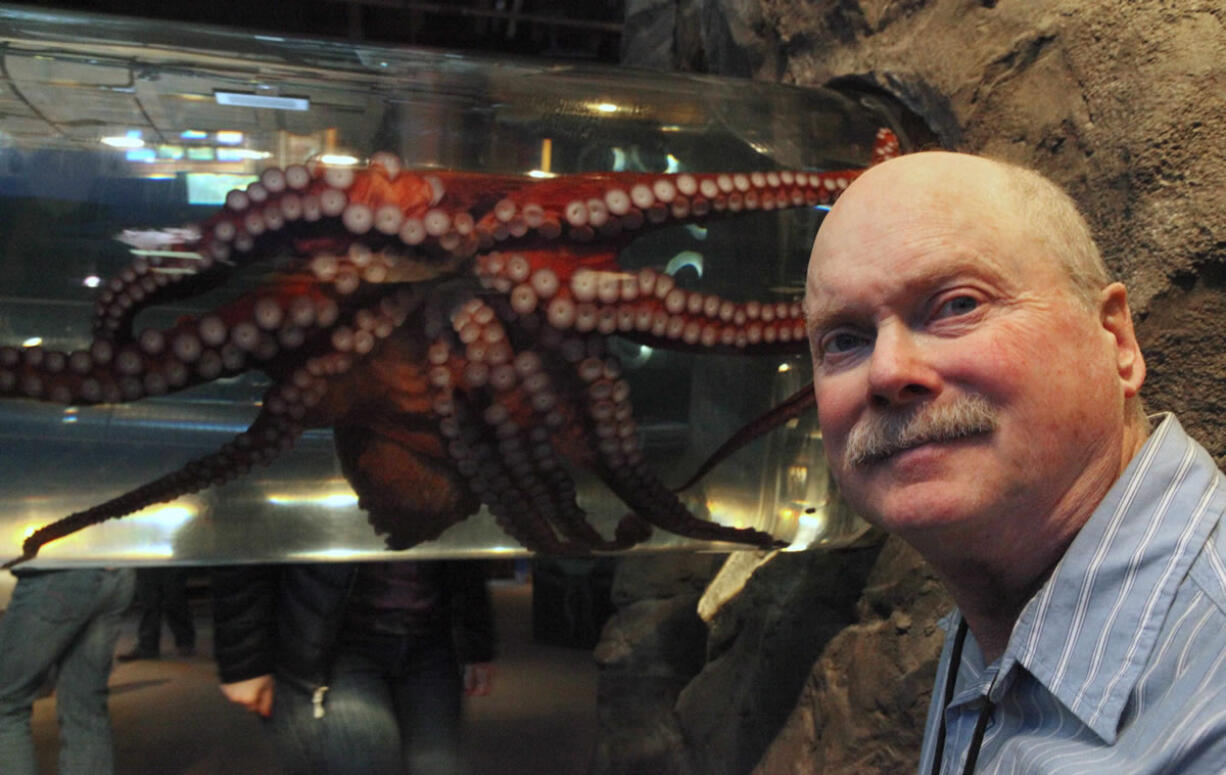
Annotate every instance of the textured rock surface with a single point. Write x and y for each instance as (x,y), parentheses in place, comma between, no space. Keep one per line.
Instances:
(1121,101)
(761,645)
(648,652)
(1186,355)
(864,703)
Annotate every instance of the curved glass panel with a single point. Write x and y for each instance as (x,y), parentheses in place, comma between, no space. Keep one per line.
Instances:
(114,132)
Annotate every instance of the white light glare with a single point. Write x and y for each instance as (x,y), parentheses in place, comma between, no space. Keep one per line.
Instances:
(242,153)
(123,141)
(335,500)
(690,258)
(269,101)
(338,159)
(92,281)
(335,553)
(168,517)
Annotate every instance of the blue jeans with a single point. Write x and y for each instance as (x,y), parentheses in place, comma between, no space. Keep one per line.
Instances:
(67,620)
(392,706)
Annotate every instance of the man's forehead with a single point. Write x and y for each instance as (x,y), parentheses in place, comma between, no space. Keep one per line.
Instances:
(906,226)
(935,184)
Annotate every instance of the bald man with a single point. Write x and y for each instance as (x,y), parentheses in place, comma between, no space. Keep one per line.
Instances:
(977,379)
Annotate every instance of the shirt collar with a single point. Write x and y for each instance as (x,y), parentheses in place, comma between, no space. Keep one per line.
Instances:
(1088,633)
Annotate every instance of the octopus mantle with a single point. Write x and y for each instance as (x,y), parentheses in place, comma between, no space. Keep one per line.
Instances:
(449,327)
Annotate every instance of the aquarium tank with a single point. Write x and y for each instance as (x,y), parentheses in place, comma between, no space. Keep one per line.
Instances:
(118,138)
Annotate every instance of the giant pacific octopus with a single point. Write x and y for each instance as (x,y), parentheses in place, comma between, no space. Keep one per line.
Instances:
(450,327)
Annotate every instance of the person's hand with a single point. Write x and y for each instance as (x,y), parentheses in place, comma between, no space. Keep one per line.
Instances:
(478,679)
(254,694)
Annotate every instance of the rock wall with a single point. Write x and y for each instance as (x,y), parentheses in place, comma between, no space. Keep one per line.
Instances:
(1121,101)
(648,652)
(865,699)
(761,646)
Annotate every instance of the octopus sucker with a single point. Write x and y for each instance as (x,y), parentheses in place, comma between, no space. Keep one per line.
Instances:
(450,327)
(533,476)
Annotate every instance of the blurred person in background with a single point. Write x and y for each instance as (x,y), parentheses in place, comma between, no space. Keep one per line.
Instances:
(358,667)
(64,622)
(161,593)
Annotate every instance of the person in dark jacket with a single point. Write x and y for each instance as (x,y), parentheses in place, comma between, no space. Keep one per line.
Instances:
(358,667)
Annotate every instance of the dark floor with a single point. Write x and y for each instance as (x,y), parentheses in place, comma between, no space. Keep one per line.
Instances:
(170,719)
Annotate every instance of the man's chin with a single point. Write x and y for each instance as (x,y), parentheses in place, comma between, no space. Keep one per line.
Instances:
(916,508)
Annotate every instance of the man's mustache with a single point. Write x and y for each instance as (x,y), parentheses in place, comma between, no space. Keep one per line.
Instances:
(881,435)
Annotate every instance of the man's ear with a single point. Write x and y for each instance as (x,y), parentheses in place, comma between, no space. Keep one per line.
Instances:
(1116,320)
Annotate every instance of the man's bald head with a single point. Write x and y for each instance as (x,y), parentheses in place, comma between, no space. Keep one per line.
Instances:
(1041,217)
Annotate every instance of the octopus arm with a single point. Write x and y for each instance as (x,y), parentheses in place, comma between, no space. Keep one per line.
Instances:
(793,406)
(614,454)
(518,472)
(251,331)
(585,291)
(304,391)
(650,500)
(504,416)
(267,437)
(612,206)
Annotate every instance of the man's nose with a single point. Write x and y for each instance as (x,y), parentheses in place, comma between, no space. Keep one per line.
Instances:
(899,371)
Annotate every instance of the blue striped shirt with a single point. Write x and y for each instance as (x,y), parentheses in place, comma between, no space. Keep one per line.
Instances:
(1118,663)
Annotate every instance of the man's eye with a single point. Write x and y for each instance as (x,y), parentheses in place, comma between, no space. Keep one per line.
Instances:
(841,342)
(958,305)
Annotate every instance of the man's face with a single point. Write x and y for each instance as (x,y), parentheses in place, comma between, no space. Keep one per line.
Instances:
(925,299)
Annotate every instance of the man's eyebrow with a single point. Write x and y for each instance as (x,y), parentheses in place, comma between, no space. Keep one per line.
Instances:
(825,319)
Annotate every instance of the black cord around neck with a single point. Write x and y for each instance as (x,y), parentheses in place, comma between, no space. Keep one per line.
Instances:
(985,713)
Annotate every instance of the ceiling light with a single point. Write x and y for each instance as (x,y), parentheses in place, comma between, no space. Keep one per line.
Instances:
(243,100)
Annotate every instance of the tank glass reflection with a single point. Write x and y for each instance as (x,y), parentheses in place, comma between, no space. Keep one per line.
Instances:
(106,142)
